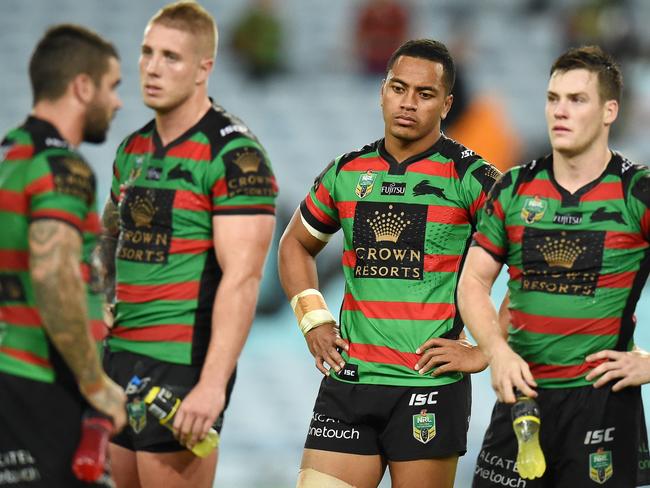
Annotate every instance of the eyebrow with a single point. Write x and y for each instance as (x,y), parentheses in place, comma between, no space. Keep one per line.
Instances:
(572,94)
(418,88)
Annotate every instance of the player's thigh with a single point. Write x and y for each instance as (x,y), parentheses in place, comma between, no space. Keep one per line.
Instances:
(357,470)
(601,442)
(180,469)
(124,466)
(423,473)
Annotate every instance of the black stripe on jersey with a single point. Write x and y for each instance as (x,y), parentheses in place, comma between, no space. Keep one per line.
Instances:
(314,222)
(493,195)
(399,168)
(202,331)
(528,171)
(628,321)
(462,157)
(641,190)
(44,135)
(244,211)
(351,156)
(319,178)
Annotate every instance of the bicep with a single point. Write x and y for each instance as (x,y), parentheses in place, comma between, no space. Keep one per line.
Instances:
(297,232)
(241,242)
(481,266)
(52,245)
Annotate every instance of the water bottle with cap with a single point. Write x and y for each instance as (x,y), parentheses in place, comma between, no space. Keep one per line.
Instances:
(89,460)
(163,404)
(526,424)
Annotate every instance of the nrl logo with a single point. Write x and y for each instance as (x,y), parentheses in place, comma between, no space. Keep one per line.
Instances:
(365,184)
(424,426)
(600,466)
(533,209)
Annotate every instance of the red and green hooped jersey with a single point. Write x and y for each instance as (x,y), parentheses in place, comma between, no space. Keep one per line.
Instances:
(407,227)
(41,177)
(167,272)
(577,263)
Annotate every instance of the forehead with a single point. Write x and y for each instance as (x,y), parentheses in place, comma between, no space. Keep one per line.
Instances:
(160,36)
(574,81)
(417,71)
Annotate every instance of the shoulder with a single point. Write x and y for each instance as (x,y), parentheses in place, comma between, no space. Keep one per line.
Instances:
(341,161)
(71,174)
(634,177)
(224,131)
(466,161)
(139,140)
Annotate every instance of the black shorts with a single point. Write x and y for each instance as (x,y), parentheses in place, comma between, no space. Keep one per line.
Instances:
(143,432)
(400,423)
(40,426)
(589,437)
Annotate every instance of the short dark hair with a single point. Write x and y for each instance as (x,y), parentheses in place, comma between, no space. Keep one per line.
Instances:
(433,51)
(65,51)
(595,60)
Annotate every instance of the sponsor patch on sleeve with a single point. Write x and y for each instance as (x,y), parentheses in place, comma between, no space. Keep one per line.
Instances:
(72,176)
(248,174)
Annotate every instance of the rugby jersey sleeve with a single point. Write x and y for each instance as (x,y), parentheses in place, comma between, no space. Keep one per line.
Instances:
(62,187)
(491,232)
(477,181)
(639,200)
(241,180)
(318,211)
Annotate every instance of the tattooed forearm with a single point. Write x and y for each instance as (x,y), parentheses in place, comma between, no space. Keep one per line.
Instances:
(108,246)
(54,256)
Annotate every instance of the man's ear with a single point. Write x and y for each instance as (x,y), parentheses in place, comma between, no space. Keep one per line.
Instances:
(449,100)
(83,88)
(610,112)
(205,68)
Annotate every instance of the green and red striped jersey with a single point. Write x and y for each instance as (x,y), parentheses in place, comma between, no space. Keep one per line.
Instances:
(406,227)
(41,177)
(577,263)
(166,270)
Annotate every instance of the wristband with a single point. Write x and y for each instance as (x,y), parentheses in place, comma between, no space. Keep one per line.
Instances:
(311,310)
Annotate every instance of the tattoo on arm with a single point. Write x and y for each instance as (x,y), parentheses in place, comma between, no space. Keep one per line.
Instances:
(59,291)
(108,247)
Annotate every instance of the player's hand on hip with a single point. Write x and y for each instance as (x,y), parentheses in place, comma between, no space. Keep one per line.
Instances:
(198,412)
(447,356)
(107,398)
(630,368)
(324,343)
(509,372)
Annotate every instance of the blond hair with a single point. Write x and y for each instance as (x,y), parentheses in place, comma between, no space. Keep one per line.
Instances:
(188,16)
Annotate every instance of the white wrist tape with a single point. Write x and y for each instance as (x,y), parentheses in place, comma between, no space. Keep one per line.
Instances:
(311,310)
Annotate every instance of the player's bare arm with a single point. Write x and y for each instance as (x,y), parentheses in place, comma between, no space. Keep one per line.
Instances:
(54,255)
(508,369)
(297,270)
(241,244)
(108,246)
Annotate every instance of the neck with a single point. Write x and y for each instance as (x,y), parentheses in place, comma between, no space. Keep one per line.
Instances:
(575,171)
(402,149)
(64,116)
(173,124)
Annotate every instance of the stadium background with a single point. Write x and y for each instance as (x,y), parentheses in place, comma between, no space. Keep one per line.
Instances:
(319,107)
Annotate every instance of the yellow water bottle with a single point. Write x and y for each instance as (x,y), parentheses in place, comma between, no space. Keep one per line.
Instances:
(163,404)
(526,424)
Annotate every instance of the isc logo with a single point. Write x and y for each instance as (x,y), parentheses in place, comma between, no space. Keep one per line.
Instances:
(418,399)
(600,435)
